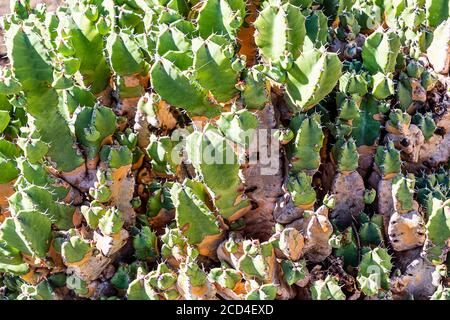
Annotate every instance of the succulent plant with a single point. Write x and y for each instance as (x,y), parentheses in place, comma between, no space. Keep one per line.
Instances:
(29,232)
(305,147)
(288,21)
(380,52)
(348,185)
(295,272)
(216,163)
(441,294)
(145,244)
(41,291)
(194,218)
(322,71)
(327,289)
(437,230)
(370,231)
(345,246)
(75,249)
(406,226)
(373,273)
(193,282)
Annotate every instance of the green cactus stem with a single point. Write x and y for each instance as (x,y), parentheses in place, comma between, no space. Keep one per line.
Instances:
(327,289)
(402,191)
(194,219)
(437,231)
(305,148)
(312,77)
(221,17)
(217,164)
(387,159)
(345,245)
(24,45)
(288,23)
(380,51)
(214,70)
(301,190)
(374,269)
(167,78)
(29,232)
